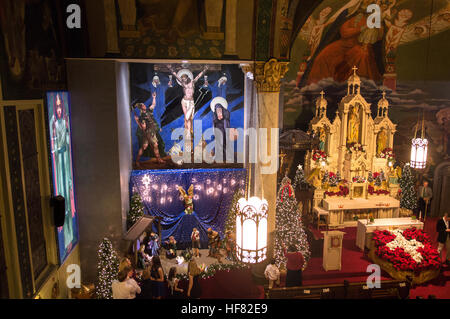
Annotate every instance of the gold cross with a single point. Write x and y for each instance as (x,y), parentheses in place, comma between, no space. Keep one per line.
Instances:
(322,94)
(354,69)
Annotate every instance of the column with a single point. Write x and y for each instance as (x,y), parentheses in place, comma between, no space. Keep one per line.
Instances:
(112,42)
(213,16)
(268,75)
(231,28)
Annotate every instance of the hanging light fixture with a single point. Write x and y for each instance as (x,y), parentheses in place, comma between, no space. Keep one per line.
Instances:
(419,149)
(419,146)
(251,230)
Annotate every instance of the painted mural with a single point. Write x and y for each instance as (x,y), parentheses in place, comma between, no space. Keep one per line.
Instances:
(171,29)
(407,57)
(61,159)
(166,97)
(30,49)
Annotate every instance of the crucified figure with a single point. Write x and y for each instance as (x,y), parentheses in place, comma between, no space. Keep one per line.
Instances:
(187,103)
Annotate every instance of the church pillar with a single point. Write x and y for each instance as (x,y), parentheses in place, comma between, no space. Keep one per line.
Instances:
(363,128)
(343,142)
(231,28)
(268,75)
(391,139)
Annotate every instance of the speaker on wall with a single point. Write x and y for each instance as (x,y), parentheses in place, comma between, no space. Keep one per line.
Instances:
(59,210)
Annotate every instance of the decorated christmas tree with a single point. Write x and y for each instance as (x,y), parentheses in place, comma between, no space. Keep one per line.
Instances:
(300,179)
(289,227)
(409,196)
(230,223)
(136,209)
(107,269)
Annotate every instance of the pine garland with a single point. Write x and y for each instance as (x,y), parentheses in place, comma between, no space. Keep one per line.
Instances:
(213,268)
(136,209)
(409,196)
(107,269)
(289,228)
(230,223)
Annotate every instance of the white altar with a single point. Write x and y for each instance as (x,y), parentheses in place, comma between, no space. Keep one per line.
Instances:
(364,230)
(352,169)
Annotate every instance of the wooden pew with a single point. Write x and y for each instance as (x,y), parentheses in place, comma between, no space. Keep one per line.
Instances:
(392,289)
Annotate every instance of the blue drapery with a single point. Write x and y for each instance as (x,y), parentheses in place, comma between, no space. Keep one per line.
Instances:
(213,194)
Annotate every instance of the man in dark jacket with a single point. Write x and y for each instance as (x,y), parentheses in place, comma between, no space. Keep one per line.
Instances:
(443,229)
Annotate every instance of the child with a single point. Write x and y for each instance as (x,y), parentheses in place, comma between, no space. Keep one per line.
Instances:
(272,273)
(195,238)
(172,281)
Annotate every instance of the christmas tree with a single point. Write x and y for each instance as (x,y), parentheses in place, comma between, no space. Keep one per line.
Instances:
(107,269)
(230,223)
(409,196)
(136,209)
(289,227)
(299,179)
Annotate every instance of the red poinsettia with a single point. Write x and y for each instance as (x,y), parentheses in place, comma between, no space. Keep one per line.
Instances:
(400,259)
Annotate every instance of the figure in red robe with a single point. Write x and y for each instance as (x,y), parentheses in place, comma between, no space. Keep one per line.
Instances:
(354,48)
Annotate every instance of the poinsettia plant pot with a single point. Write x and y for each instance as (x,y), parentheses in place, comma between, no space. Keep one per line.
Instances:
(417,277)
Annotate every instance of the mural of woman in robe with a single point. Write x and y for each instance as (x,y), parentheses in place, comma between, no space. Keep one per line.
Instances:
(60,135)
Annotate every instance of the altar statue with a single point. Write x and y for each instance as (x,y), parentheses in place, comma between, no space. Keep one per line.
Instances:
(353,126)
(322,139)
(188,204)
(381,141)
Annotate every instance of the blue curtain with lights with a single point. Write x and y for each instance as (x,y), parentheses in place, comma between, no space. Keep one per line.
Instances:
(213,194)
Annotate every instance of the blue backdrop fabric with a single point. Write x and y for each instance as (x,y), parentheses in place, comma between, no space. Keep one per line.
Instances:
(213,194)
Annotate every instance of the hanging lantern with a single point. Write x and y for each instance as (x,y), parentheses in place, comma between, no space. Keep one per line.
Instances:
(251,230)
(419,149)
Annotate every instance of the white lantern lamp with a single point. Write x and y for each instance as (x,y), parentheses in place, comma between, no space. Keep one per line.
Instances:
(251,230)
(419,149)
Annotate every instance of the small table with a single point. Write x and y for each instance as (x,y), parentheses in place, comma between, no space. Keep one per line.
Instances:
(364,231)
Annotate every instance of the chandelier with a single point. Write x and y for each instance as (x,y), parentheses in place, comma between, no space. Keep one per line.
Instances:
(251,230)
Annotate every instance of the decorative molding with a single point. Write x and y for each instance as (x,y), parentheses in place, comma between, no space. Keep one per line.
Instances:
(268,75)
(18,201)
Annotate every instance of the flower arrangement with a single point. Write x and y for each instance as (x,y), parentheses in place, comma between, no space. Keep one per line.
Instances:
(319,156)
(408,250)
(343,191)
(358,179)
(355,147)
(387,153)
(372,191)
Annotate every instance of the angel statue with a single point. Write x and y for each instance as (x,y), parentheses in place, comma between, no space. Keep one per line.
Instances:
(188,204)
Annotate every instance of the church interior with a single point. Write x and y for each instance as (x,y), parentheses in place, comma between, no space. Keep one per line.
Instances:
(238,149)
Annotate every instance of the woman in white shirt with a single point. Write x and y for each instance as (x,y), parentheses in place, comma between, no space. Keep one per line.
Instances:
(126,287)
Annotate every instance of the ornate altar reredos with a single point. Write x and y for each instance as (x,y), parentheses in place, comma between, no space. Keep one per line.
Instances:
(355,155)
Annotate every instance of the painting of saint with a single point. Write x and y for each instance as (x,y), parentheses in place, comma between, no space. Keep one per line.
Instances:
(60,142)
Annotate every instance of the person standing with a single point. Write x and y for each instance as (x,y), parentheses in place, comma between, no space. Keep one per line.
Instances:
(424,195)
(174,291)
(195,238)
(194,290)
(294,266)
(443,230)
(158,279)
(126,287)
